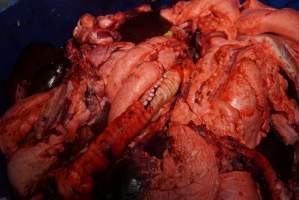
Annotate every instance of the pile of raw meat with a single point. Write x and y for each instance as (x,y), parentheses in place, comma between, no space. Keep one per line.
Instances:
(168,114)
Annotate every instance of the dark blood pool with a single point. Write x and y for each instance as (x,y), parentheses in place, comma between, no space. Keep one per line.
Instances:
(39,68)
(144,26)
(279,155)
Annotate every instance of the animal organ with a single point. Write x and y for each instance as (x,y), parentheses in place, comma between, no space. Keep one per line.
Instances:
(209,113)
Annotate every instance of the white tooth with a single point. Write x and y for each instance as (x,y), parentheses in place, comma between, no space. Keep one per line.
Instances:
(164,75)
(151,94)
(156,85)
(145,103)
(152,90)
(149,98)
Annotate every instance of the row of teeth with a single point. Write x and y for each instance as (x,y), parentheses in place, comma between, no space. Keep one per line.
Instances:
(153,90)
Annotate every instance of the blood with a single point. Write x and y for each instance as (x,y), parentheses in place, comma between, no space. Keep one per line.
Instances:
(279,155)
(144,26)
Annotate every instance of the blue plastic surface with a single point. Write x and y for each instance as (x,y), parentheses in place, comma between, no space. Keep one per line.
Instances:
(52,21)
